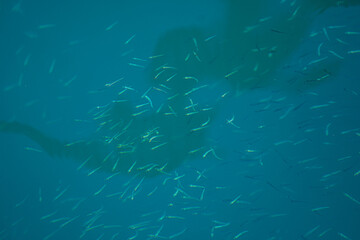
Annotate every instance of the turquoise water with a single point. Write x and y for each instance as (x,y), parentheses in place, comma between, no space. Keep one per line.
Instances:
(179,120)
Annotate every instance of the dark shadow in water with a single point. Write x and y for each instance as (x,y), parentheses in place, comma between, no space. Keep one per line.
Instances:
(146,141)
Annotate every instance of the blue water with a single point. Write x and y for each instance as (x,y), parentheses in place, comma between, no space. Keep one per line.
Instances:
(286,162)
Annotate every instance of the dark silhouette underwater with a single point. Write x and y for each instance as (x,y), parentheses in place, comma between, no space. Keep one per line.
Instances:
(147,140)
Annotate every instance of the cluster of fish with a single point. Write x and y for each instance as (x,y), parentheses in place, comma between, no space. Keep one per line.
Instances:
(152,138)
(191,75)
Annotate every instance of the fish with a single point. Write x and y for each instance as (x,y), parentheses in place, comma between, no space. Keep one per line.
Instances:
(144,145)
(147,140)
(247,53)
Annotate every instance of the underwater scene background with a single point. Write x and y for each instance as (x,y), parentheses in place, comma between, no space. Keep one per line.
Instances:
(216,119)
